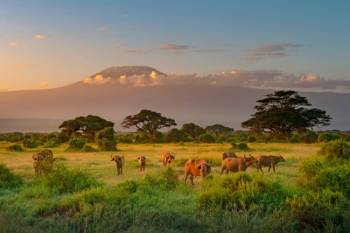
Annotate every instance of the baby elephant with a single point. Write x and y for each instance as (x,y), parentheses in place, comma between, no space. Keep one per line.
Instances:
(119,163)
(142,162)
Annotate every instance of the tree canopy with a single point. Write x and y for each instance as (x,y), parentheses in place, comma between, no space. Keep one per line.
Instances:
(87,126)
(283,112)
(218,129)
(192,130)
(148,122)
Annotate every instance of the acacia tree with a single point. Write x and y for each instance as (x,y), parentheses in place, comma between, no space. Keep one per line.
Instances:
(218,129)
(87,126)
(192,130)
(282,112)
(148,122)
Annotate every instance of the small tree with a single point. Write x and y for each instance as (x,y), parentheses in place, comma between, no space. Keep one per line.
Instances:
(76,143)
(86,126)
(148,122)
(192,130)
(176,135)
(106,140)
(206,138)
(218,129)
(283,112)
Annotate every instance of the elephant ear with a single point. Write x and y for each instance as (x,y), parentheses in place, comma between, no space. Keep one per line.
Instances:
(199,167)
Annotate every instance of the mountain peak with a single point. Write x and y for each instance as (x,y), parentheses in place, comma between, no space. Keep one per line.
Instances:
(117,71)
(126,75)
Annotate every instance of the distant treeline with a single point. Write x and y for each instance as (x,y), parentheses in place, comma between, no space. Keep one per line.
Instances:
(283,116)
(188,133)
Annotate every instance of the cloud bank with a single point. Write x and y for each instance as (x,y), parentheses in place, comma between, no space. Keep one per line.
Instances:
(262,79)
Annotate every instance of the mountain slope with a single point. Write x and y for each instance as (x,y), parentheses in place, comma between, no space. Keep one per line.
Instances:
(203,104)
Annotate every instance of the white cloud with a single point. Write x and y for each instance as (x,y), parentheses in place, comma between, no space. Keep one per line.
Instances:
(97,80)
(309,77)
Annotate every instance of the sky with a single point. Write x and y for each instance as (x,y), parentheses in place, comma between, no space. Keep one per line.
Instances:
(47,43)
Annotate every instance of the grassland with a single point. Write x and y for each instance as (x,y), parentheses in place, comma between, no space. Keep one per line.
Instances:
(86,196)
(99,164)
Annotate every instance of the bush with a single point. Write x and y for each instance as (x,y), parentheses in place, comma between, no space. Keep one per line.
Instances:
(31,143)
(328,137)
(309,171)
(15,148)
(7,179)
(106,140)
(317,209)
(240,146)
(64,180)
(88,148)
(76,143)
(319,175)
(304,137)
(126,138)
(167,179)
(336,150)
(241,191)
(336,178)
(52,143)
(176,135)
(206,138)
(12,137)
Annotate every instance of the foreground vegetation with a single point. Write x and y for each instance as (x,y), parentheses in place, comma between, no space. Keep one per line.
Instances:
(309,193)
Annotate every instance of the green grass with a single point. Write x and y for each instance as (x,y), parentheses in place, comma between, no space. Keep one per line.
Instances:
(84,194)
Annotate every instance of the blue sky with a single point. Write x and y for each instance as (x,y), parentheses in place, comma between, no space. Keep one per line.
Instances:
(53,43)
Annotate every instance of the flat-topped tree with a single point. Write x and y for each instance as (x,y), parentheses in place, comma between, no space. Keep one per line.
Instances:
(87,126)
(282,112)
(218,129)
(192,130)
(148,122)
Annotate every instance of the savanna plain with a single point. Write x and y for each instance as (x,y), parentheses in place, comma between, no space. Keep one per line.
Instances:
(307,193)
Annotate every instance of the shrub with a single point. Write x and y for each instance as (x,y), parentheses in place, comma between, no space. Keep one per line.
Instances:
(251,138)
(12,137)
(126,138)
(88,148)
(240,146)
(52,143)
(206,138)
(327,137)
(309,171)
(15,148)
(309,137)
(7,179)
(319,175)
(64,180)
(336,178)
(316,209)
(167,179)
(305,137)
(31,143)
(336,150)
(241,191)
(222,138)
(106,140)
(176,135)
(128,186)
(76,143)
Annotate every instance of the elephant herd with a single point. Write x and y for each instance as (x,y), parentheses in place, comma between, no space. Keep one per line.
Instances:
(43,162)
